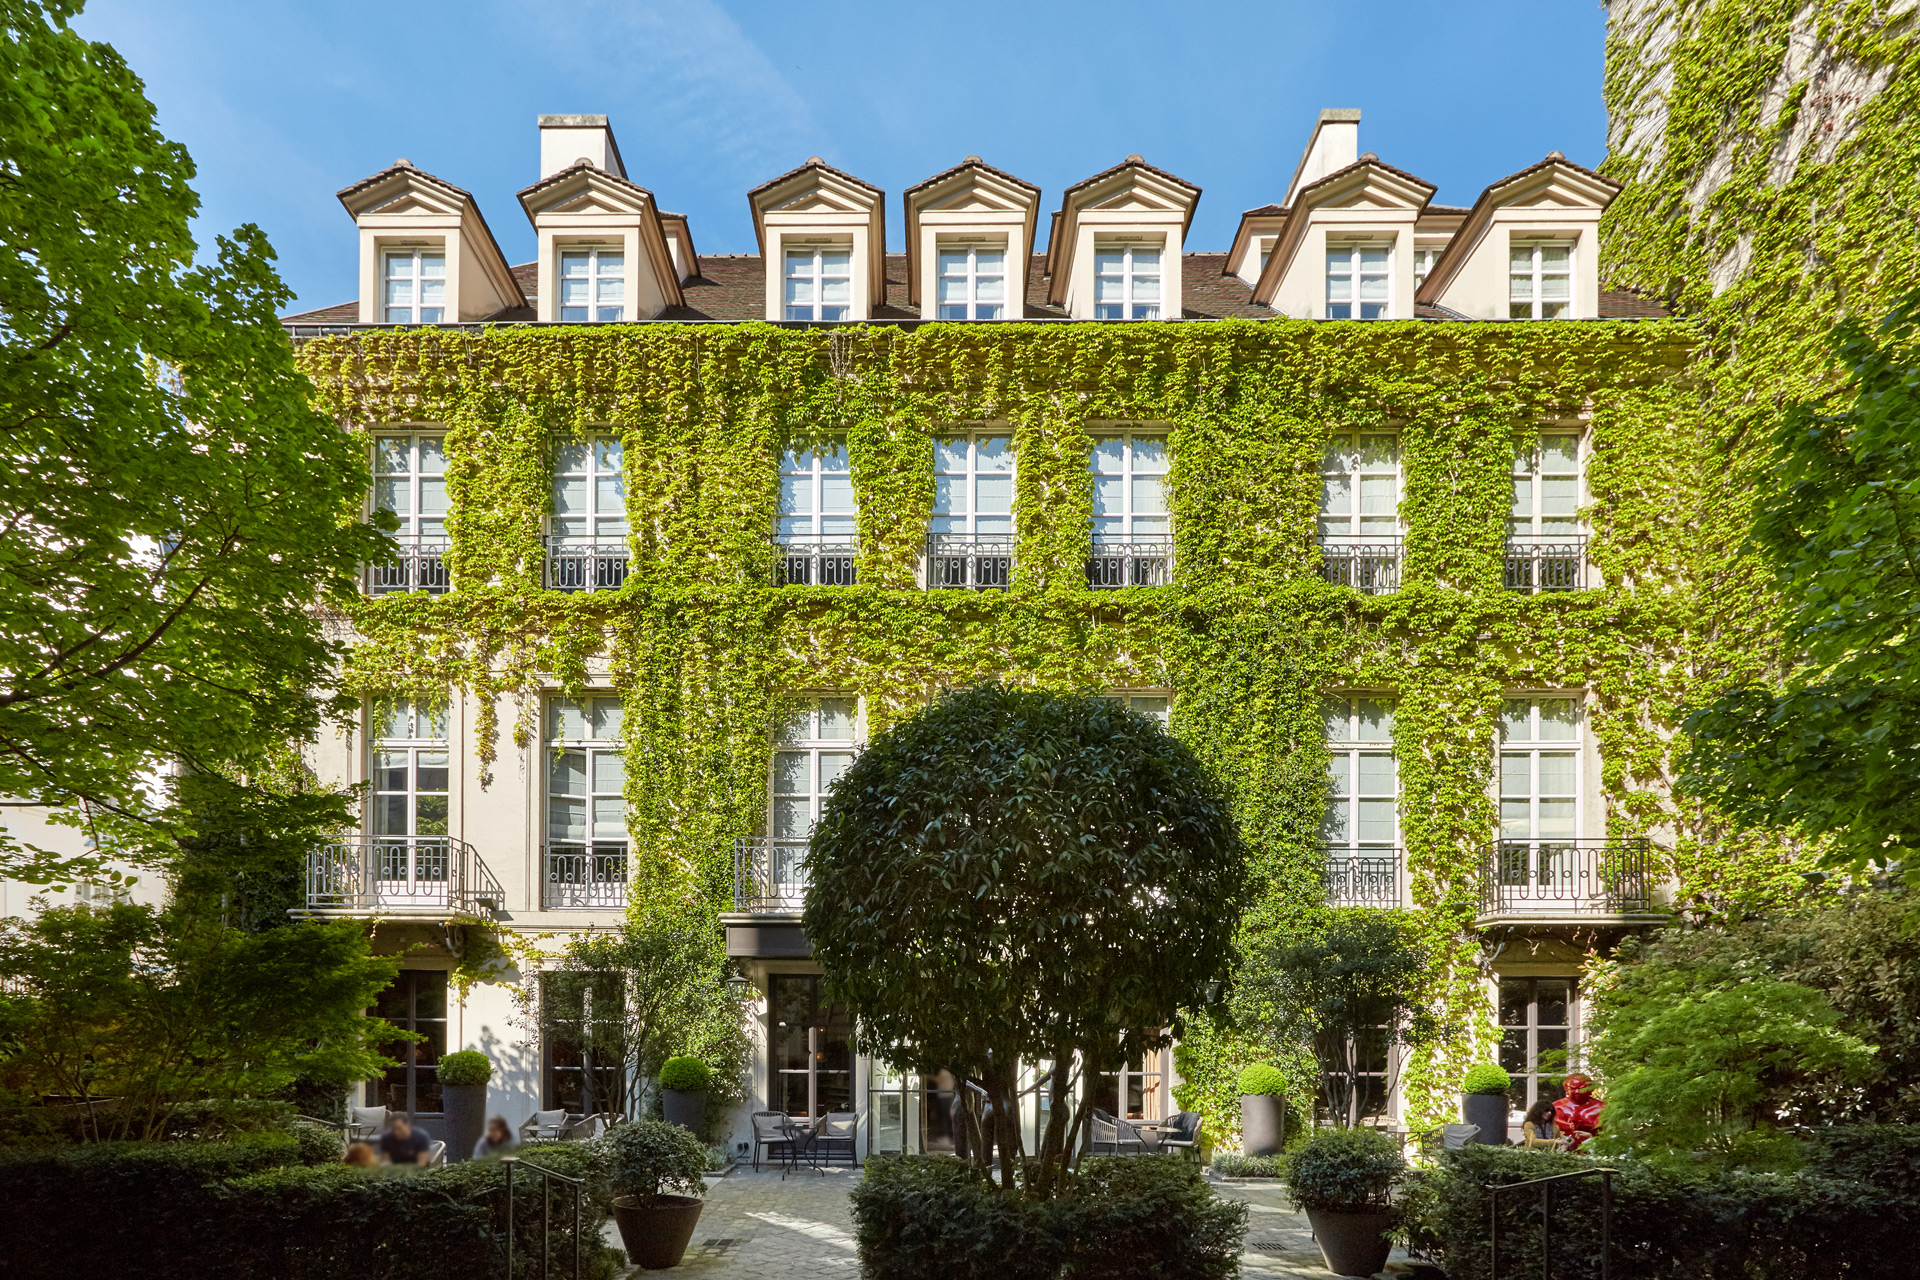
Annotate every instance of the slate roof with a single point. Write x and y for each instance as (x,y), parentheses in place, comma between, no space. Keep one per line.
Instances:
(1630,304)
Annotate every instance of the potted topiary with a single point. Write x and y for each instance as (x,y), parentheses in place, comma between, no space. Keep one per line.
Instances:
(652,1162)
(463,1099)
(683,1092)
(1263,1110)
(1344,1179)
(1483,1101)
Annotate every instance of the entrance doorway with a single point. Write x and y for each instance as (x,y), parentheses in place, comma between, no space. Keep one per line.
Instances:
(810,1046)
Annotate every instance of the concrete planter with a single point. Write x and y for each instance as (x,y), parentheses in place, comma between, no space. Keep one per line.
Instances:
(656,1235)
(688,1110)
(1263,1123)
(1352,1241)
(1489,1111)
(464,1107)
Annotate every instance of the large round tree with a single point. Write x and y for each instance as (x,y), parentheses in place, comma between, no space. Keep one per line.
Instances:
(1016,876)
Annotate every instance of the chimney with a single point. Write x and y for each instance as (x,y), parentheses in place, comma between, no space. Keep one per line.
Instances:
(567,139)
(1335,144)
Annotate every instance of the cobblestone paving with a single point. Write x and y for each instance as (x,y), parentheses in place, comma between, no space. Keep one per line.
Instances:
(758,1226)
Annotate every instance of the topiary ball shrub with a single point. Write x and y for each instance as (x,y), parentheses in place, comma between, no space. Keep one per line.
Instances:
(1346,1169)
(1486,1077)
(685,1075)
(467,1066)
(651,1158)
(1262,1080)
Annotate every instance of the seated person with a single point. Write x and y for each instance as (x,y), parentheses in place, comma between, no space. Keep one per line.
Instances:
(1538,1128)
(402,1144)
(360,1155)
(498,1140)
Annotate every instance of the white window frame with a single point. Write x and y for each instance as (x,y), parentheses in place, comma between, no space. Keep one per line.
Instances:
(971,278)
(1355,458)
(1155,704)
(1129,476)
(599,462)
(1528,517)
(425,451)
(600,879)
(809,479)
(1356,273)
(1351,739)
(805,740)
(813,257)
(967,523)
(422,732)
(1130,274)
(415,262)
(1546,862)
(1424,256)
(606,285)
(1536,304)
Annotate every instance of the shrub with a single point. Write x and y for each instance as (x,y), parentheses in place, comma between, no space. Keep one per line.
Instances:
(1262,1080)
(1149,1216)
(651,1158)
(685,1075)
(1233,1165)
(1486,1077)
(466,1066)
(1882,1155)
(1345,1169)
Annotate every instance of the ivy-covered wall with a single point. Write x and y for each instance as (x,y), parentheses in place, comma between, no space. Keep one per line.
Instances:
(707,651)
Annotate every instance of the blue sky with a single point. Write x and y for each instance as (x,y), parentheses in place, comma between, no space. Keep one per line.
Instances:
(282,104)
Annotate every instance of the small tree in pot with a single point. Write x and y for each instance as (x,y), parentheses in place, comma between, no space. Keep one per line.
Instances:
(683,1092)
(463,1098)
(655,1171)
(1344,1179)
(1483,1101)
(1263,1110)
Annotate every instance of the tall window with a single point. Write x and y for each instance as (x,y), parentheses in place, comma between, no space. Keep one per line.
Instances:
(415,287)
(593,285)
(416,1002)
(810,1045)
(1539,281)
(589,519)
(973,485)
(1129,487)
(1357,281)
(1360,486)
(1539,790)
(972,284)
(1536,1035)
(410,480)
(815,749)
(817,529)
(1363,808)
(583,1041)
(410,771)
(1546,485)
(1126,283)
(819,283)
(1155,706)
(1423,260)
(1138,1090)
(586,804)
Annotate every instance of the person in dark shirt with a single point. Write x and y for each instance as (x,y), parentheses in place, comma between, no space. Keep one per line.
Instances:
(400,1144)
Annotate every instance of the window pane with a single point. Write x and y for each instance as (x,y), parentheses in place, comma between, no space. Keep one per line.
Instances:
(1555,288)
(567,773)
(391,455)
(951,290)
(1108,494)
(1109,454)
(791,773)
(433,455)
(1554,999)
(1149,496)
(950,455)
(993,495)
(836,291)
(836,493)
(989,289)
(609,819)
(1376,720)
(799,262)
(1376,821)
(950,494)
(837,718)
(834,262)
(1556,773)
(430,771)
(1521,259)
(1378,495)
(1556,819)
(1516,724)
(433,496)
(1340,768)
(1334,712)
(1560,453)
(1555,258)
(792,819)
(393,495)
(1108,289)
(1516,775)
(566,819)
(832,765)
(1146,288)
(570,495)
(607,455)
(1146,260)
(610,495)
(1515,824)
(1336,495)
(1149,453)
(1376,774)
(567,721)
(607,717)
(953,264)
(1557,719)
(1108,263)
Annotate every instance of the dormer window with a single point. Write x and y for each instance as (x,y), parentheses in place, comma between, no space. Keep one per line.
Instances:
(1126,282)
(1423,260)
(415,287)
(593,285)
(972,283)
(1357,276)
(1539,281)
(819,283)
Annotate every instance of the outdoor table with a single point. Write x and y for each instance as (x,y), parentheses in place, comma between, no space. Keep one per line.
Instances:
(1152,1131)
(800,1135)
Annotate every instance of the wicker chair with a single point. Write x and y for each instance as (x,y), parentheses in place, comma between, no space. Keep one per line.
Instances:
(1113,1137)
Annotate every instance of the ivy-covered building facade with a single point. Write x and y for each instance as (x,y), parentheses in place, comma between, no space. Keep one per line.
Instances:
(1386,512)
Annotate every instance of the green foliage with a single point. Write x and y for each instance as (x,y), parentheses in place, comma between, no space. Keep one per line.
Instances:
(685,1075)
(1486,1077)
(1231,1164)
(1020,876)
(1345,1169)
(174,504)
(153,1010)
(463,1067)
(651,1158)
(1262,1079)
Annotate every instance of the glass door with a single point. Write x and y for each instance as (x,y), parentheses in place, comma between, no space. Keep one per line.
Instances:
(811,1048)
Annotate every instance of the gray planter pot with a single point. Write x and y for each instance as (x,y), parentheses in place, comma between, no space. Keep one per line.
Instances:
(1489,1111)
(657,1234)
(464,1107)
(1263,1123)
(1353,1242)
(688,1110)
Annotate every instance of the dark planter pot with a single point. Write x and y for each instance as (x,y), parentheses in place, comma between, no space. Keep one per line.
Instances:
(1489,1111)
(688,1110)
(1353,1241)
(1263,1123)
(464,1107)
(656,1235)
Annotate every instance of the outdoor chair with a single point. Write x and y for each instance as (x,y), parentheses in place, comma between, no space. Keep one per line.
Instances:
(1455,1136)
(365,1123)
(588,1127)
(436,1152)
(1184,1136)
(834,1136)
(771,1135)
(1113,1137)
(544,1126)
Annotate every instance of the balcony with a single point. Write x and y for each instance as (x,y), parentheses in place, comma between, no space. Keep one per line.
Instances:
(815,560)
(769,876)
(1574,881)
(581,564)
(419,565)
(1130,562)
(1363,877)
(431,876)
(1370,566)
(1547,562)
(969,562)
(579,878)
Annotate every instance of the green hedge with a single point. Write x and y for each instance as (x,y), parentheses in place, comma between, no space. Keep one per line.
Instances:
(1138,1218)
(1705,1225)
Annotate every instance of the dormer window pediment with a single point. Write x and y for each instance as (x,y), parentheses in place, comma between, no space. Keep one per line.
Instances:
(1132,204)
(1549,214)
(426,253)
(969,238)
(791,215)
(1366,201)
(604,255)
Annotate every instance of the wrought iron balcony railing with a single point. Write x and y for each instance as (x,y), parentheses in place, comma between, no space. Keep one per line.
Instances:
(1370,566)
(584,876)
(1547,562)
(581,564)
(399,875)
(815,560)
(1130,562)
(1555,877)
(419,565)
(969,562)
(1363,877)
(769,875)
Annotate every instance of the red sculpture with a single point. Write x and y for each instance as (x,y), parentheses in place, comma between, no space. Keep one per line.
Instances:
(1577,1115)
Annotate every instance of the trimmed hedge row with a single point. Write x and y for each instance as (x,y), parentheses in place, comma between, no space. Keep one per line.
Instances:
(1137,1218)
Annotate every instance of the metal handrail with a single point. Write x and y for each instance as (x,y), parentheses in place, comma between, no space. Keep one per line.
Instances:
(1546,562)
(586,564)
(1370,565)
(769,875)
(581,875)
(969,562)
(547,1178)
(399,875)
(1139,561)
(1608,876)
(1546,1219)
(815,560)
(1362,877)
(418,565)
